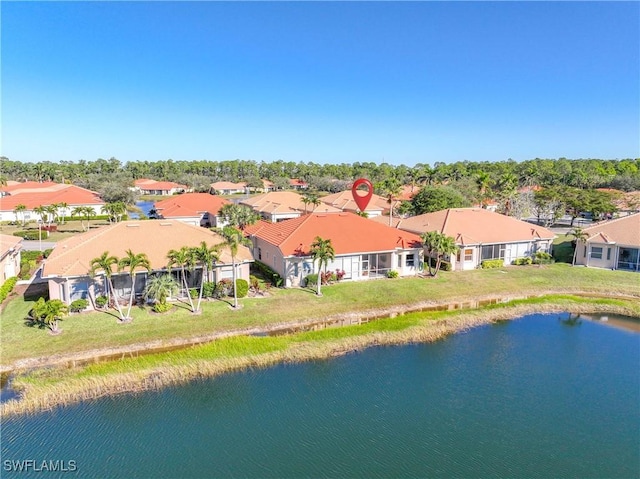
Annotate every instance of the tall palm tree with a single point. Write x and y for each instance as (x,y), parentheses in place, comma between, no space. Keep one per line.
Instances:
(20,209)
(183,259)
(105,264)
(115,210)
(438,244)
(483,180)
(390,189)
(579,235)
(323,252)
(233,239)
(310,199)
(239,216)
(52,213)
(62,210)
(207,257)
(133,262)
(41,211)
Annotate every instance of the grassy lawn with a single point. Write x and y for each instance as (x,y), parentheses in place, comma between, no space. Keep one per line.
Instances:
(101,330)
(563,249)
(66,230)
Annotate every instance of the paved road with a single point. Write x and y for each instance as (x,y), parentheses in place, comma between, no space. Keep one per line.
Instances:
(35,245)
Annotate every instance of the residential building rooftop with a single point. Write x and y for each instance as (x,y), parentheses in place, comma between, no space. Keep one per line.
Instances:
(189,205)
(72,256)
(624,231)
(348,232)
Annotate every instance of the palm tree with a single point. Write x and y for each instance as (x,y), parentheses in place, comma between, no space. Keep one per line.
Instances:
(322,251)
(579,235)
(159,288)
(207,256)
(49,313)
(233,239)
(183,258)
(62,210)
(133,262)
(20,209)
(84,212)
(52,212)
(483,180)
(310,199)
(239,216)
(105,263)
(41,211)
(438,244)
(115,210)
(390,189)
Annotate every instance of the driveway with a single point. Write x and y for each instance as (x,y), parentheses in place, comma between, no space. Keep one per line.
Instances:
(35,245)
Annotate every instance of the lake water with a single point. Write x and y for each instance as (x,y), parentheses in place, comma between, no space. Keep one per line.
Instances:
(145,206)
(542,396)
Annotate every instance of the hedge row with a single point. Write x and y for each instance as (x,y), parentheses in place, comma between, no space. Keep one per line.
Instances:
(268,273)
(7,287)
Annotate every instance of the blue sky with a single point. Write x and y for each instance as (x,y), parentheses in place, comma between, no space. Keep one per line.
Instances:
(323,82)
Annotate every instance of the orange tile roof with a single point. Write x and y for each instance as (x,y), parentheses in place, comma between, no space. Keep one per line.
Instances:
(407,192)
(473,226)
(624,231)
(345,202)
(147,184)
(190,204)
(348,232)
(8,242)
(284,202)
(72,256)
(70,194)
(15,187)
(228,185)
(297,182)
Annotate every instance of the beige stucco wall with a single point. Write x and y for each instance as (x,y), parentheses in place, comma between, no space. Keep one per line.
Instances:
(10,265)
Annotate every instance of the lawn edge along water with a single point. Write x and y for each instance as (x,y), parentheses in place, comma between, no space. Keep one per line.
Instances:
(45,389)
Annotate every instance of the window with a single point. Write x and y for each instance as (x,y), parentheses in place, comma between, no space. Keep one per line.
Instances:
(410,260)
(608,254)
(259,253)
(296,271)
(492,251)
(596,252)
(468,254)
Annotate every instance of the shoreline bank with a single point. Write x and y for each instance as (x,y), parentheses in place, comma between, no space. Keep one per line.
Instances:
(54,388)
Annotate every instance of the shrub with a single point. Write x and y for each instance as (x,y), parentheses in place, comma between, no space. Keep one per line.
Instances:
(29,235)
(47,252)
(522,261)
(242,287)
(26,256)
(194,293)
(7,287)
(162,307)
(311,280)
(208,289)
(543,258)
(492,263)
(254,283)
(25,270)
(339,274)
(328,277)
(392,273)
(444,265)
(78,305)
(224,288)
(268,273)
(101,301)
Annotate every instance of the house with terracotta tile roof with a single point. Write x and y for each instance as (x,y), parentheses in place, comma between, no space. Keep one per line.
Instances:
(67,267)
(480,234)
(33,194)
(364,249)
(344,202)
(228,188)
(147,186)
(198,209)
(611,244)
(284,205)
(10,247)
(298,184)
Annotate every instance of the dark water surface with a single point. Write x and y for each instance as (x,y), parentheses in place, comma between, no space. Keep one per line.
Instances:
(541,396)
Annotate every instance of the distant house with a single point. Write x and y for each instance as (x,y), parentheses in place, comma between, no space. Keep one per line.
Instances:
(33,194)
(613,244)
(344,201)
(198,209)
(10,247)
(158,188)
(283,205)
(298,184)
(228,188)
(481,235)
(67,268)
(363,248)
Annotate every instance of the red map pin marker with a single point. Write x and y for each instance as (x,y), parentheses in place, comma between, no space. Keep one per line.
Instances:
(362,200)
